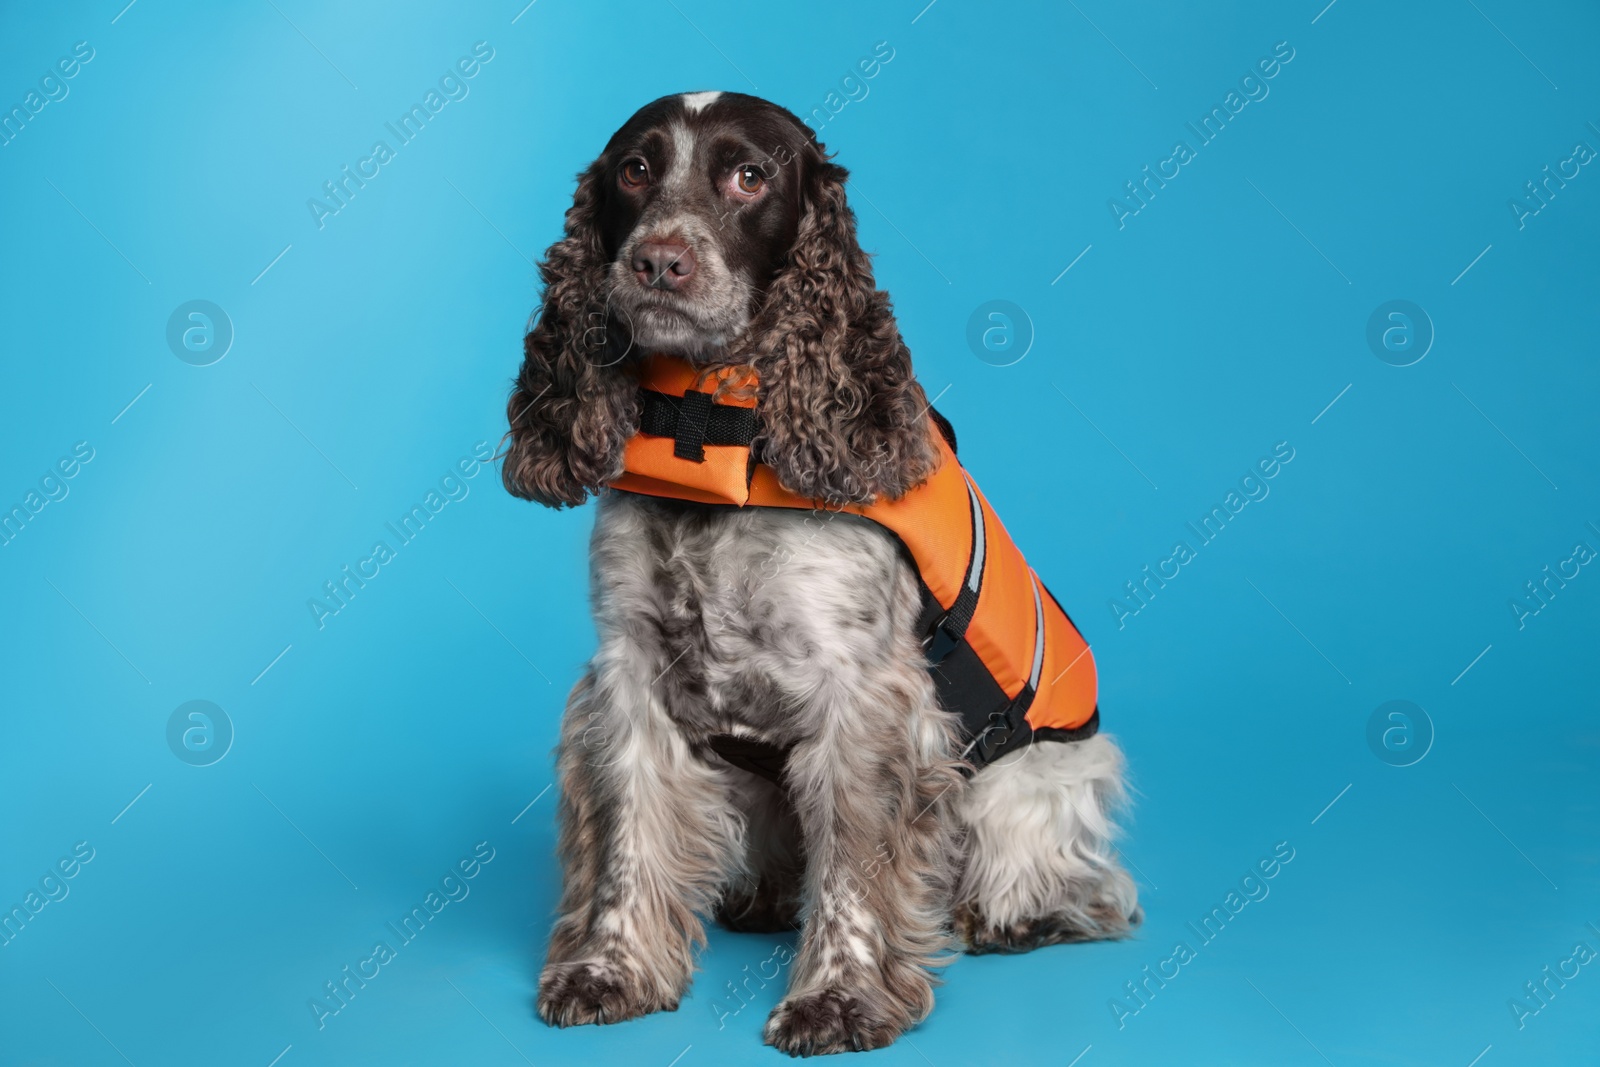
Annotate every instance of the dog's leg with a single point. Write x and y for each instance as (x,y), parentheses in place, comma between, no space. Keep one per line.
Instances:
(874,791)
(1040,866)
(647,838)
(767,899)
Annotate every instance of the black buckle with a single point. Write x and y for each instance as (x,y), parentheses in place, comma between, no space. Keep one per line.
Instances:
(995,736)
(940,642)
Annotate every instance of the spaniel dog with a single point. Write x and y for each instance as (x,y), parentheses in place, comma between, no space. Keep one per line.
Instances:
(714,228)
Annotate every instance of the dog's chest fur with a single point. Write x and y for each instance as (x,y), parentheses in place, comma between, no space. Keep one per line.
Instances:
(741,615)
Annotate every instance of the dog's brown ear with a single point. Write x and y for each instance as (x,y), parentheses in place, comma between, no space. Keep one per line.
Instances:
(842,418)
(574,404)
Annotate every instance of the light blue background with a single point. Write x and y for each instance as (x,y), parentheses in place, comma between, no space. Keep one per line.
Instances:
(377,751)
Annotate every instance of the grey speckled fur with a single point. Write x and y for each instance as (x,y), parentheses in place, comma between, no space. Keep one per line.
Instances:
(796,628)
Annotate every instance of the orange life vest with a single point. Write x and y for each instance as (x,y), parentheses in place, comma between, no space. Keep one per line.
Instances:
(1002,652)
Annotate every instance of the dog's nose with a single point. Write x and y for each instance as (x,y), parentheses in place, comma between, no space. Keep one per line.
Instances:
(663,264)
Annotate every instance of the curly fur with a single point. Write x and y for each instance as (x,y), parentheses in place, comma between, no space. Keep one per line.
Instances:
(575,403)
(843,419)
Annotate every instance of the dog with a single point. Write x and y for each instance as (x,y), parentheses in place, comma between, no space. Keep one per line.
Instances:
(714,229)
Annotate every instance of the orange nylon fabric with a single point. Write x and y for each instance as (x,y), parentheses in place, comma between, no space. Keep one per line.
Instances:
(1067,684)
(934,521)
(650,466)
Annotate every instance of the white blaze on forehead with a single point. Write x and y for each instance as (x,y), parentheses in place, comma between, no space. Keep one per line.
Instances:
(696,102)
(682,156)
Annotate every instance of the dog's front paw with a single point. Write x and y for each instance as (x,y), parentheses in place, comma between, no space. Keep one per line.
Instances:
(594,991)
(829,1020)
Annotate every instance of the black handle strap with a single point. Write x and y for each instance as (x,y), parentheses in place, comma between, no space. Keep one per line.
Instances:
(694,421)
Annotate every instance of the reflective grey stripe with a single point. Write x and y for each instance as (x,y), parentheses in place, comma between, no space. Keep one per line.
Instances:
(975,569)
(1038,640)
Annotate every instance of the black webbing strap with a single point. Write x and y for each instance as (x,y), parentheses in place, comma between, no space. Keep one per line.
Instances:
(950,629)
(693,421)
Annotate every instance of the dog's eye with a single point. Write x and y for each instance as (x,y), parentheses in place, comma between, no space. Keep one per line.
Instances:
(635,173)
(749,179)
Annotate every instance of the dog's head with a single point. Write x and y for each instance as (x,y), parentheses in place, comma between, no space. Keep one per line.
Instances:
(714,228)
